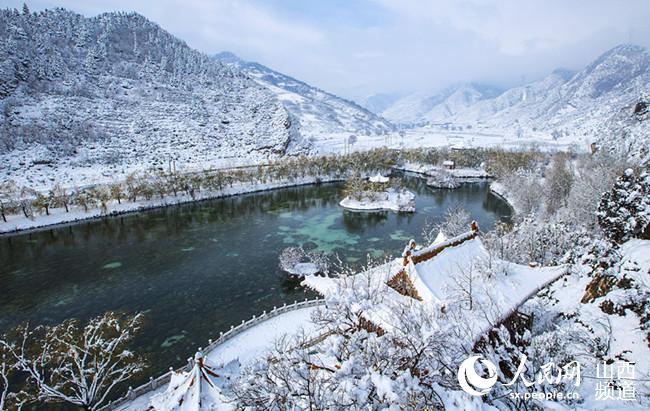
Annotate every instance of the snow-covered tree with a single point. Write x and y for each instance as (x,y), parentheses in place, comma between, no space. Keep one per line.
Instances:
(557,183)
(355,364)
(624,211)
(8,190)
(533,239)
(595,174)
(73,363)
(59,197)
(292,257)
(4,383)
(41,202)
(455,222)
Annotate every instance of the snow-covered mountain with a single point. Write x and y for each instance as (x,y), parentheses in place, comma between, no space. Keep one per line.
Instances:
(627,131)
(116,91)
(379,102)
(425,107)
(562,103)
(575,103)
(315,111)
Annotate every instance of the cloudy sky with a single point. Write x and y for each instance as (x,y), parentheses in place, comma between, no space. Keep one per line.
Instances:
(355,48)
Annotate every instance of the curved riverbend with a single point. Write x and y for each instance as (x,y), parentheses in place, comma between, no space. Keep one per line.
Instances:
(197,269)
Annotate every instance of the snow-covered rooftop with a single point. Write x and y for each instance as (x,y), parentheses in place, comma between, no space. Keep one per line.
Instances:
(448,266)
(197,389)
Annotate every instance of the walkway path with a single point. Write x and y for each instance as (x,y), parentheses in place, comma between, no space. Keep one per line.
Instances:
(246,345)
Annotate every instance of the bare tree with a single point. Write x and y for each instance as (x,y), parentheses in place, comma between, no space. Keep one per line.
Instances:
(59,197)
(41,202)
(455,222)
(10,401)
(75,364)
(117,192)
(557,184)
(8,191)
(465,283)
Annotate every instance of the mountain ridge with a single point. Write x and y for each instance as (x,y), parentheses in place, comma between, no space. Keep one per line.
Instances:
(562,99)
(318,112)
(108,94)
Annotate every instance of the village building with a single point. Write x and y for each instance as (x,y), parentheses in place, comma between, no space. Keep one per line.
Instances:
(449,164)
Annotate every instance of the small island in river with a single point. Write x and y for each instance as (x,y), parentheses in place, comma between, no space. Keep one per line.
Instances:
(377,194)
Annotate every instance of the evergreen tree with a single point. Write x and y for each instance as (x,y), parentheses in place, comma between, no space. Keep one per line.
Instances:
(623,212)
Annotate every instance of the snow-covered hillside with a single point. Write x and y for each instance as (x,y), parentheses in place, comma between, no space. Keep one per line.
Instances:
(628,130)
(315,111)
(105,94)
(569,106)
(421,107)
(378,102)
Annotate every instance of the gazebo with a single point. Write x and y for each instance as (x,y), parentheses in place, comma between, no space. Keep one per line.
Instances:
(194,390)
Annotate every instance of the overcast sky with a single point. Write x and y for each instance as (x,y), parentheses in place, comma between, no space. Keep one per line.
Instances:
(363,47)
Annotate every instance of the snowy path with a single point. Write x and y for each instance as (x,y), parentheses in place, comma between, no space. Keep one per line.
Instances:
(252,343)
(246,346)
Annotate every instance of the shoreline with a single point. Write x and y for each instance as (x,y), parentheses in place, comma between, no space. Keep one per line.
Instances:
(58,218)
(500,191)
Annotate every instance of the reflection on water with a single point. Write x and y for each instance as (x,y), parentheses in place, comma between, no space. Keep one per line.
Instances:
(196,269)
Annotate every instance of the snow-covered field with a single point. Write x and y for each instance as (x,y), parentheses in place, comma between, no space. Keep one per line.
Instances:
(432,136)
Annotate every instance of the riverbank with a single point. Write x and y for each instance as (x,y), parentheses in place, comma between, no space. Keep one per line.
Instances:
(461,175)
(59,217)
(464,174)
(504,194)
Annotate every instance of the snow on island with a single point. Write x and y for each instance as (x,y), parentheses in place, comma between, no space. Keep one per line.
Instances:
(378,179)
(298,262)
(390,199)
(443,180)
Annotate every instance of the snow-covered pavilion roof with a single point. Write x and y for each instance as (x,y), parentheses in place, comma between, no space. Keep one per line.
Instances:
(433,272)
(196,390)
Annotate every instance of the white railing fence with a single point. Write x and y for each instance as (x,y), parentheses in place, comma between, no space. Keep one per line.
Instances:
(161,380)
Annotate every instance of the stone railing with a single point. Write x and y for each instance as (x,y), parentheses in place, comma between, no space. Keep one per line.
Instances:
(155,383)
